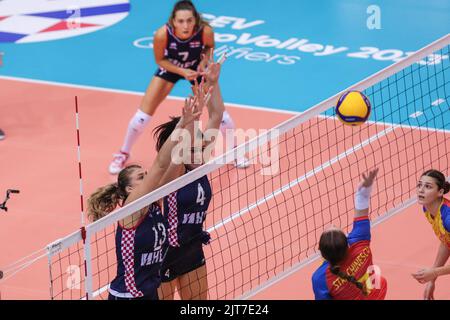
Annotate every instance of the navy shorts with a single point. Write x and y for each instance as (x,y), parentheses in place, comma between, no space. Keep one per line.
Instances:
(173,77)
(182,260)
(154,296)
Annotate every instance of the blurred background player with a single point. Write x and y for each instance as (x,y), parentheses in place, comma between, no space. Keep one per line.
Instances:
(184,268)
(347,272)
(181,49)
(430,194)
(141,238)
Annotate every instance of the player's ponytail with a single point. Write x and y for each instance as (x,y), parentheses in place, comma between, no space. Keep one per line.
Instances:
(439,177)
(105,199)
(446,187)
(336,270)
(188,5)
(162,132)
(333,246)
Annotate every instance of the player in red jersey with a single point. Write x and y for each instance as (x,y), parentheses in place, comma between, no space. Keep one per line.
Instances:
(348,271)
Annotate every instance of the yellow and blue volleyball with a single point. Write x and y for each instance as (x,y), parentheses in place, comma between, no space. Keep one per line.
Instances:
(353,108)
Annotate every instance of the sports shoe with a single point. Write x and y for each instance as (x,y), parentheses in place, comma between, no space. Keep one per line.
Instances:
(118,162)
(242,163)
(2,134)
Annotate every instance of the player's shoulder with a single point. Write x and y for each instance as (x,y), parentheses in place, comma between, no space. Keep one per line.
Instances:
(320,272)
(161,33)
(445,214)
(445,208)
(207,29)
(446,204)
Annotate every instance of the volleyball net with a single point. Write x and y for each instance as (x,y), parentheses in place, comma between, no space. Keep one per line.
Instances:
(267,219)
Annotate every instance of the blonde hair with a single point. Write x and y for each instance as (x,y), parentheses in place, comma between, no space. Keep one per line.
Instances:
(105,199)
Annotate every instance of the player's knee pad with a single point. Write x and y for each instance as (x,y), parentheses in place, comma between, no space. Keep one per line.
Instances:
(227,122)
(139,121)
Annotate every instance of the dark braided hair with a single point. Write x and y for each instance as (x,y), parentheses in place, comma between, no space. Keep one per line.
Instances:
(162,132)
(336,270)
(333,246)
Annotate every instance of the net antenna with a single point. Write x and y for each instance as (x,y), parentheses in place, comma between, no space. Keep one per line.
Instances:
(77,120)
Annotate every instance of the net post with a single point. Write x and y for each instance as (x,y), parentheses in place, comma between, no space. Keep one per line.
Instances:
(49,261)
(52,249)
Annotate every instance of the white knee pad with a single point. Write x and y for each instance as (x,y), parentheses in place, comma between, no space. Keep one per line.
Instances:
(139,121)
(227,122)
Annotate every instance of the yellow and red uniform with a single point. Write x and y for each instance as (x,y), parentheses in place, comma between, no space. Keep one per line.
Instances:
(358,263)
(441,222)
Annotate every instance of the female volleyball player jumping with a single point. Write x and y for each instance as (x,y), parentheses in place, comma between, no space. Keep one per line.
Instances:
(348,271)
(181,49)
(430,194)
(184,267)
(141,238)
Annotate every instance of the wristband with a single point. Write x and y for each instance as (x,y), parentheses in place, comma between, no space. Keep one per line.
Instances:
(362,198)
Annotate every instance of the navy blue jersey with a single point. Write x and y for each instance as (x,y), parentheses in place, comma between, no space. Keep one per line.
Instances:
(184,53)
(186,211)
(140,252)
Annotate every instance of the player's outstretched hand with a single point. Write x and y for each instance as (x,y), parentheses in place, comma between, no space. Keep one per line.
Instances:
(190,112)
(202,93)
(190,75)
(369,179)
(212,70)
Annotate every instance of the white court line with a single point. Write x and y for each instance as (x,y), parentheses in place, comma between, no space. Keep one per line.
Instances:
(437,102)
(99,291)
(416,114)
(229,104)
(137,93)
(309,174)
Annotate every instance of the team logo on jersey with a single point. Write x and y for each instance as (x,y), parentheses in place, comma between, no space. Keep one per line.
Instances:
(195,44)
(161,71)
(42,20)
(173,45)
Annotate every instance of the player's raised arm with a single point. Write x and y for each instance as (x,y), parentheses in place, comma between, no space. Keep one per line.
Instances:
(208,50)
(361,224)
(363,192)
(163,159)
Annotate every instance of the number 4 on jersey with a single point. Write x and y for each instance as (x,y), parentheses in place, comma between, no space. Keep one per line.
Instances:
(201,195)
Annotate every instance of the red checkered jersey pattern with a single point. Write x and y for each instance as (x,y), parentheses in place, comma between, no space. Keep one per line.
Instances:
(127,249)
(172,217)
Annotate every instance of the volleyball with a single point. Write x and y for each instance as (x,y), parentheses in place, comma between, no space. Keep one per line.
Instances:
(353,108)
